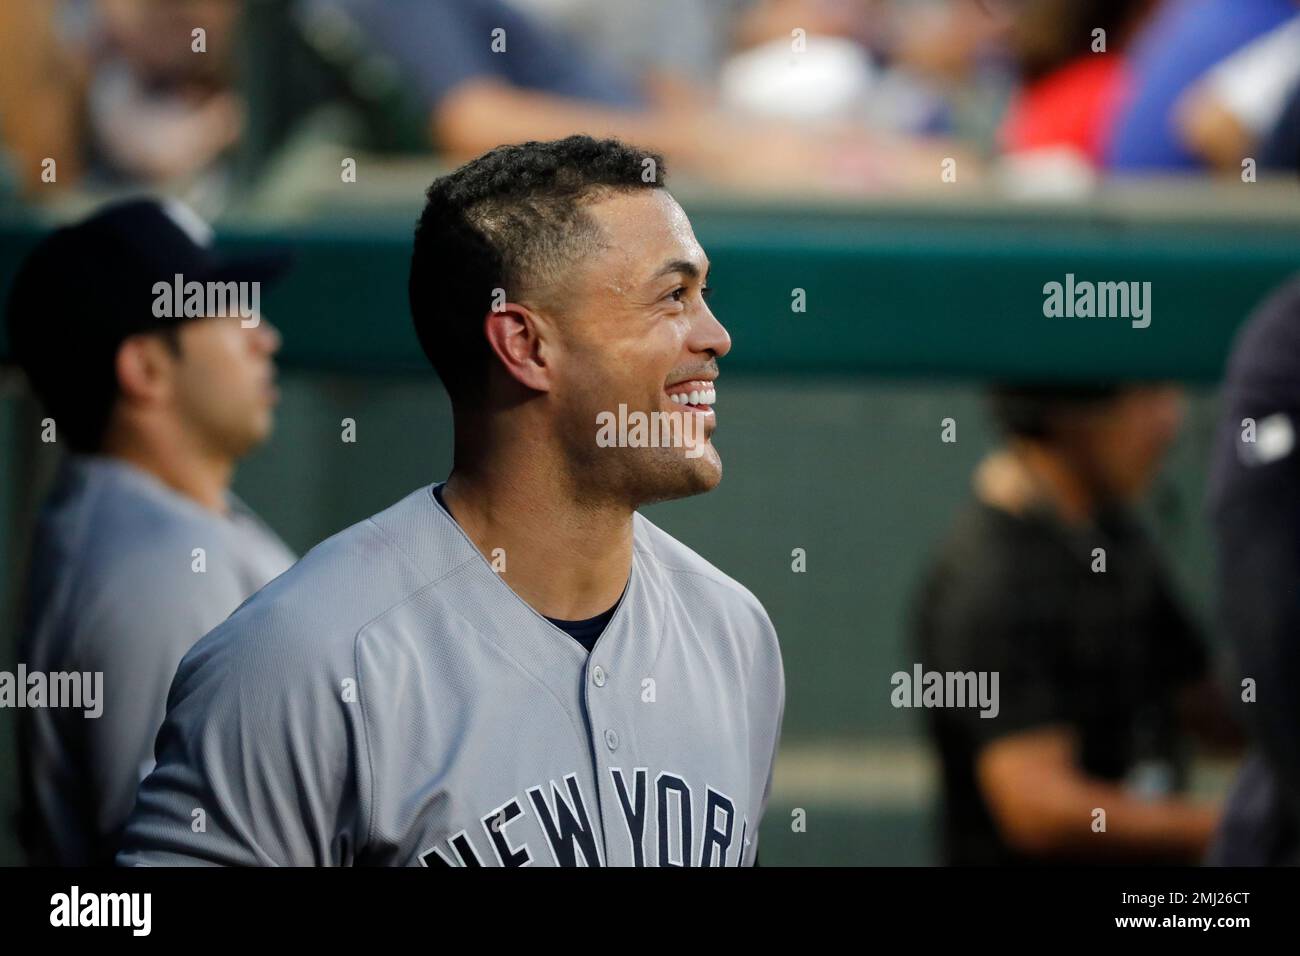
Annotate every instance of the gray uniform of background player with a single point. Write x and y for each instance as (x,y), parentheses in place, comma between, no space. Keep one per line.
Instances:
(391,701)
(112,589)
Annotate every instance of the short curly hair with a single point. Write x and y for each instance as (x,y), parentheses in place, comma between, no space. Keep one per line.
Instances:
(512,219)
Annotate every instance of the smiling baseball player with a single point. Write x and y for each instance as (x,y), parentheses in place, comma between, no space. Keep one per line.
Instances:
(512,667)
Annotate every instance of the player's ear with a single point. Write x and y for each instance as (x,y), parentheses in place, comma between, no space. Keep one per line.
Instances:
(143,367)
(516,335)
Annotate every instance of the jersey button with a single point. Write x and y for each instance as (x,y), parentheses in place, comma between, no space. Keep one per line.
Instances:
(611,740)
(598,676)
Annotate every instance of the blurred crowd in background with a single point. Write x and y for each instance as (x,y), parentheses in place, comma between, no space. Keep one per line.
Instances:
(840,96)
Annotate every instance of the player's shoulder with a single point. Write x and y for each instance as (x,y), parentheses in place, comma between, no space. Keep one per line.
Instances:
(683,569)
(715,607)
(987,543)
(350,579)
(109,527)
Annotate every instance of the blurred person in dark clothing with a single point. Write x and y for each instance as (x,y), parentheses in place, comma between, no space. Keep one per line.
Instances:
(1280,149)
(140,548)
(1047,580)
(1255,508)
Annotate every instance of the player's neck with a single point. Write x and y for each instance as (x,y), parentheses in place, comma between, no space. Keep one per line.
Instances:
(203,478)
(1055,479)
(567,558)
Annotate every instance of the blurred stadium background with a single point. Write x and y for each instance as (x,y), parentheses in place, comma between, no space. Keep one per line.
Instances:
(919,293)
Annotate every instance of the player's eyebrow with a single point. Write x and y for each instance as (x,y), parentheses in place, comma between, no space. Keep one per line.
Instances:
(684,266)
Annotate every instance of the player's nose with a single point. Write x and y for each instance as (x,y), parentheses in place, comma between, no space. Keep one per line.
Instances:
(709,335)
(268,337)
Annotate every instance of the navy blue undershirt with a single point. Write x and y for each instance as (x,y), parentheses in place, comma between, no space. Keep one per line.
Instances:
(585,632)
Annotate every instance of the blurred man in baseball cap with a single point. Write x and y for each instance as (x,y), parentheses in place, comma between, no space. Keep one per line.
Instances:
(155,366)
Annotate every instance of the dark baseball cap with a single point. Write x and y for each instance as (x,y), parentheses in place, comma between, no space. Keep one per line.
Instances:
(88,286)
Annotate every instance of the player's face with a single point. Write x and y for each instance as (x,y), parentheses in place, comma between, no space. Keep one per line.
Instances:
(1129,439)
(638,332)
(225,382)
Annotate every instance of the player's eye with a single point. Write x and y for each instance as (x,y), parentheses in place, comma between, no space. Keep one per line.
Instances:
(681,290)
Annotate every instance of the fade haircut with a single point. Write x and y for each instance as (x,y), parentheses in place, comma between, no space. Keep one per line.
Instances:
(514,219)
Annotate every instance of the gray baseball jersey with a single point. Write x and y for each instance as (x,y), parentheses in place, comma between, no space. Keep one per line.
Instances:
(117,588)
(391,701)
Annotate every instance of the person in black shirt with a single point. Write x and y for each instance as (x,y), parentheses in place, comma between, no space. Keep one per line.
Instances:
(1048,581)
(1254,499)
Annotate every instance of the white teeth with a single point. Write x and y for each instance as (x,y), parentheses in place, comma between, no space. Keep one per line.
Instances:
(702,396)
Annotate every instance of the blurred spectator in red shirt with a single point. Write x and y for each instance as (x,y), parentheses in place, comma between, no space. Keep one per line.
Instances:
(1074,78)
